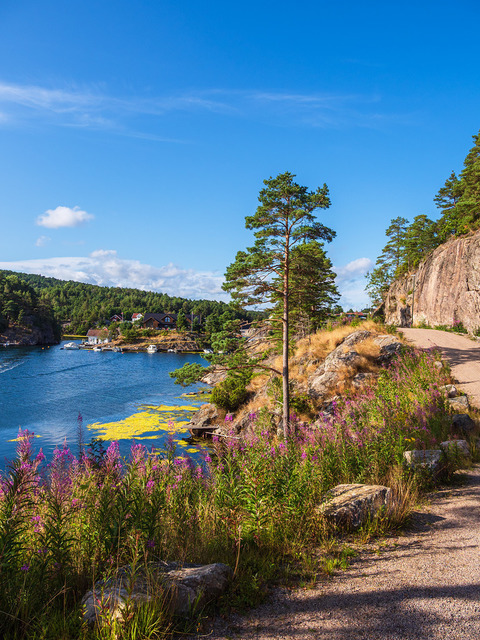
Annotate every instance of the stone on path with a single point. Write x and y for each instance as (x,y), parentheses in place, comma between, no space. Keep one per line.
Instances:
(457,448)
(351,505)
(450,390)
(460,403)
(463,422)
(430,459)
(183,588)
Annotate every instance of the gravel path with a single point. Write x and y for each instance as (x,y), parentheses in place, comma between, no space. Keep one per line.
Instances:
(424,585)
(462,353)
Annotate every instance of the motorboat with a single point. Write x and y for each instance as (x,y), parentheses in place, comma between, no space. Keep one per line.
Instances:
(152,348)
(71,345)
(97,348)
(208,351)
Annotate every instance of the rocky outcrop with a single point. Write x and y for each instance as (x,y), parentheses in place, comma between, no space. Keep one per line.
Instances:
(182,588)
(30,335)
(351,505)
(444,290)
(205,419)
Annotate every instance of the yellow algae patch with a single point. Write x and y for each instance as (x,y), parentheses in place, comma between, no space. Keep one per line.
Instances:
(139,425)
(19,439)
(173,408)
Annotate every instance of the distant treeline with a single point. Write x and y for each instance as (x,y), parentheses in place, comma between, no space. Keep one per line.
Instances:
(459,203)
(83,306)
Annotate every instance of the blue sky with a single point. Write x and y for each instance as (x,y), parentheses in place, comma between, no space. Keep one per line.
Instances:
(135,136)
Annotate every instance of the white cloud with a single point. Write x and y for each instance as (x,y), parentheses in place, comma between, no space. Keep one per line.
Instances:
(351,283)
(63,217)
(105,268)
(42,241)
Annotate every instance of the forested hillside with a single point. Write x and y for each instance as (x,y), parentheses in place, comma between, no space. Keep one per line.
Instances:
(85,305)
(22,310)
(409,243)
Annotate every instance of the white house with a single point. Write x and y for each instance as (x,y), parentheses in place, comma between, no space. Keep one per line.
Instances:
(97,336)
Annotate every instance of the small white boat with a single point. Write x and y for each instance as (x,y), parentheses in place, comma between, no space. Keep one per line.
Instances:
(97,348)
(71,345)
(117,349)
(152,348)
(208,351)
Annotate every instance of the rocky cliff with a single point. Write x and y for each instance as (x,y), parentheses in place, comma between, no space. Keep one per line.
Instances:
(444,290)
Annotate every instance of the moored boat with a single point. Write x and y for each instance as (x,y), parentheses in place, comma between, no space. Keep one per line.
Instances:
(71,345)
(152,348)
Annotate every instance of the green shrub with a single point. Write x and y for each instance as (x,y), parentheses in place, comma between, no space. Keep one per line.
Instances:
(230,393)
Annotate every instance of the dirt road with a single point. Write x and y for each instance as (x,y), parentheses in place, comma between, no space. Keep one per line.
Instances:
(462,353)
(424,585)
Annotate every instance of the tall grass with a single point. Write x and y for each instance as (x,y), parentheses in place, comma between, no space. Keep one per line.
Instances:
(251,503)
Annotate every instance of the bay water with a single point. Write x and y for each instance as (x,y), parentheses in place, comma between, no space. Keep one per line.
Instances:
(114,396)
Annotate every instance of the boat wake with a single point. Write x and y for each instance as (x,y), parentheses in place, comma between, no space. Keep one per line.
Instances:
(8,366)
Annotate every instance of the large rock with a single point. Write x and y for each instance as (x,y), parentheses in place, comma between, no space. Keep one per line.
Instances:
(430,460)
(457,448)
(459,403)
(325,377)
(205,419)
(389,347)
(446,288)
(351,505)
(463,423)
(181,587)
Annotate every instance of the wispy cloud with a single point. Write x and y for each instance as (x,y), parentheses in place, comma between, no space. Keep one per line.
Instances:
(94,109)
(63,217)
(104,267)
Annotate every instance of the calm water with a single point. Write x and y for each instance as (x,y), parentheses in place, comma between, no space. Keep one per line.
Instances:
(45,389)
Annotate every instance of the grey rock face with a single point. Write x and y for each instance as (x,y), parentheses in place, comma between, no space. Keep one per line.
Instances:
(181,587)
(351,505)
(463,422)
(459,403)
(446,287)
(432,460)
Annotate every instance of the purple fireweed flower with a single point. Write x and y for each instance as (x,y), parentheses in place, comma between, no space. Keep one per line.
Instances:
(25,567)
(229,417)
(150,544)
(252,416)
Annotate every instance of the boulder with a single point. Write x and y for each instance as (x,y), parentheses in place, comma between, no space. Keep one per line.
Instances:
(326,375)
(351,505)
(449,390)
(457,448)
(183,588)
(432,460)
(389,347)
(204,419)
(460,403)
(463,423)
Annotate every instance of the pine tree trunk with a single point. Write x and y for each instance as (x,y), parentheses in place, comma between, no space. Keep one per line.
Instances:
(286,398)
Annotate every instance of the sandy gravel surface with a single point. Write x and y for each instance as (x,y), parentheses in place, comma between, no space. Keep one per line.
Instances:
(422,585)
(462,353)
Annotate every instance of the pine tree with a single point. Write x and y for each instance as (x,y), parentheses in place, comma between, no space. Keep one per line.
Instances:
(262,273)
